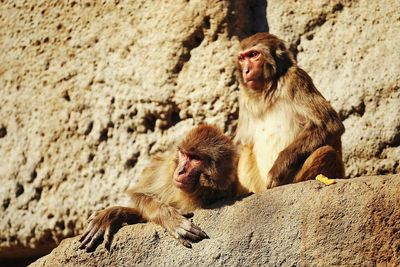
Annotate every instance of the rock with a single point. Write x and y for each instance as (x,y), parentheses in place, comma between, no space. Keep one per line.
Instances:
(350,50)
(353,222)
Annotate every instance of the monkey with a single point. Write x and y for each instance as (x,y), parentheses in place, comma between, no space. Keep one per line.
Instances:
(287,131)
(201,171)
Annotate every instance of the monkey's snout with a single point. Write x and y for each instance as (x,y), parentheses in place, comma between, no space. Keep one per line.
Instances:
(182,169)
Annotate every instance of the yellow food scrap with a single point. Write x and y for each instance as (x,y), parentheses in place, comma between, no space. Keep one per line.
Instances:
(325,180)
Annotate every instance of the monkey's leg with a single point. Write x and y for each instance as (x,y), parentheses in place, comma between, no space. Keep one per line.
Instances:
(248,172)
(325,160)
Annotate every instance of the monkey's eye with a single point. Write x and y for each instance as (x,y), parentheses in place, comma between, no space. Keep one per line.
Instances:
(195,157)
(253,54)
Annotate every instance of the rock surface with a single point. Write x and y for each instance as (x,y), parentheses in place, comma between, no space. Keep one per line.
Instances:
(352,223)
(90,90)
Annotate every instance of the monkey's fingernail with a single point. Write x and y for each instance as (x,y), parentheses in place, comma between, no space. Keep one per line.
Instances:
(82,237)
(185,243)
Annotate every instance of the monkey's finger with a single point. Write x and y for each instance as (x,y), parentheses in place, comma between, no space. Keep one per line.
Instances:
(83,236)
(189,235)
(199,232)
(109,235)
(96,240)
(88,238)
(87,231)
(107,238)
(91,218)
(269,184)
(194,229)
(184,242)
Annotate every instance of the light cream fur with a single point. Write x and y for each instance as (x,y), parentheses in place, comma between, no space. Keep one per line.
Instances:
(265,129)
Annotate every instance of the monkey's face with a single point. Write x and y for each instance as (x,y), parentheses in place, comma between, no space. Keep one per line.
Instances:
(264,59)
(251,64)
(187,172)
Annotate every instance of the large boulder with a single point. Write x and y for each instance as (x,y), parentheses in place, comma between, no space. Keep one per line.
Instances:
(352,223)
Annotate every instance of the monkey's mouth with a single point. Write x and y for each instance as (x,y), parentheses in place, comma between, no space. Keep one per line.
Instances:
(186,184)
(254,83)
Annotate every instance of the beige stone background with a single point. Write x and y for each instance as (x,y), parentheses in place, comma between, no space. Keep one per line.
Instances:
(89,90)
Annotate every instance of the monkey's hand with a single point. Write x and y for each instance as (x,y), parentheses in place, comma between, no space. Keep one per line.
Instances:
(104,224)
(183,230)
(271,182)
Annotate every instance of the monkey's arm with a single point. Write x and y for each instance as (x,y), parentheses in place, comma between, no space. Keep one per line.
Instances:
(170,218)
(322,126)
(105,223)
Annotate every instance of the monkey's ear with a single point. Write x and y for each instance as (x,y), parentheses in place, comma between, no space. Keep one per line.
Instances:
(284,59)
(282,53)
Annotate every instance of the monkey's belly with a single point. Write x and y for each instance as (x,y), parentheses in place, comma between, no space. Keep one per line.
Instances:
(272,138)
(266,152)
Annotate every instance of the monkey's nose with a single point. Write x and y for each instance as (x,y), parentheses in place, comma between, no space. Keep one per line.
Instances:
(246,69)
(181,170)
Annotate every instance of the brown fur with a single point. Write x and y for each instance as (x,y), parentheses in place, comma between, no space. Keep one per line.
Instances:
(289,99)
(155,198)
(325,160)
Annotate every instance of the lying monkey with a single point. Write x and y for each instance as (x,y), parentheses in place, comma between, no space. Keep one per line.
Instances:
(200,172)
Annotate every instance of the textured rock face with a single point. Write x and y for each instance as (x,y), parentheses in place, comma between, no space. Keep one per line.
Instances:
(350,50)
(89,91)
(354,222)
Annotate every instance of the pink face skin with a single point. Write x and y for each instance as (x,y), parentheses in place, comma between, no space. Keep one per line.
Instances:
(187,172)
(251,63)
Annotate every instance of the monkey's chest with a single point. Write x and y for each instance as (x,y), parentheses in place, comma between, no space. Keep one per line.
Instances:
(272,135)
